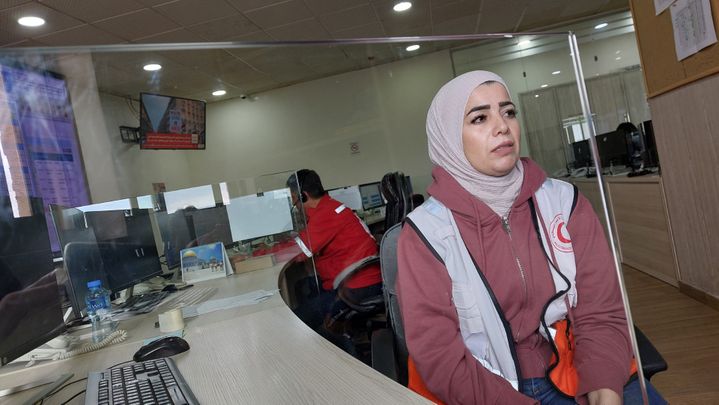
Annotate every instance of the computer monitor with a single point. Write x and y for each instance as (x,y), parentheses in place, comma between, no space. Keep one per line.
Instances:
(612,148)
(30,303)
(128,251)
(116,247)
(371,195)
(582,154)
(651,157)
(349,196)
(177,232)
(211,225)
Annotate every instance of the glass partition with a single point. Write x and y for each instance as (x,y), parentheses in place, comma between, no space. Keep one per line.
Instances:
(352,111)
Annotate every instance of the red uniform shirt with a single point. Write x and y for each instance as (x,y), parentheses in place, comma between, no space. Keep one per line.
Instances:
(337,238)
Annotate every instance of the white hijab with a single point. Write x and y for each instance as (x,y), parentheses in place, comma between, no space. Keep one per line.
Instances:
(445,120)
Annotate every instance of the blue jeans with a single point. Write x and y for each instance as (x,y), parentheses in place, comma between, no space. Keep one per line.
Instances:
(541,390)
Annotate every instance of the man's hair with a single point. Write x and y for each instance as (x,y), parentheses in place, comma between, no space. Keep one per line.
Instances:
(310,183)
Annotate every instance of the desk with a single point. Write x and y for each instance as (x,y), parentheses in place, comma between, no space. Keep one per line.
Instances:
(641,220)
(254,354)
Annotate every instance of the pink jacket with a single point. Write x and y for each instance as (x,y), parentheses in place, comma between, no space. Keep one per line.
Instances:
(603,349)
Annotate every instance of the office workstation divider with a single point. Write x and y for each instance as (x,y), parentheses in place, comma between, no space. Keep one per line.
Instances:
(350,109)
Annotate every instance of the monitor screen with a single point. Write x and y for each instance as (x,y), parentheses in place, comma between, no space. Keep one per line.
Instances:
(254,216)
(41,151)
(371,195)
(211,225)
(168,122)
(116,247)
(30,299)
(349,196)
(582,154)
(612,148)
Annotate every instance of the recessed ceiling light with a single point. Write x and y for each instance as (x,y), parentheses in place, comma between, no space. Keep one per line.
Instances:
(618,52)
(218,93)
(618,58)
(536,96)
(402,6)
(151,67)
(412,48)
(600,26)
(556,72)
(544,85)
(524,42)
(508,36)
(30,21)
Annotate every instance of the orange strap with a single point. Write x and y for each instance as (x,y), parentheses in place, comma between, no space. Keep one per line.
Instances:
(416,384)
(564,375)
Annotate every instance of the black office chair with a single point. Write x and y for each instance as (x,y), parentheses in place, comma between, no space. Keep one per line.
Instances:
(395,190)
(389,350)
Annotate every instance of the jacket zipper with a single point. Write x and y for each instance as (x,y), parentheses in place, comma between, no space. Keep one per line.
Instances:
(505,224)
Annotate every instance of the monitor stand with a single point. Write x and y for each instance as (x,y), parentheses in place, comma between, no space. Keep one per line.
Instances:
(54,384)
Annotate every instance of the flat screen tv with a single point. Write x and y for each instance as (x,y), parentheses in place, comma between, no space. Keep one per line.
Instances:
(168,122)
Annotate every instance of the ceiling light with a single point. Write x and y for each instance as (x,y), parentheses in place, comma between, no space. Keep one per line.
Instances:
(600,26)
(556,72)
(218,93)
(618,58)
(31,21)
(544,85)
(402,6)
(618,52)
(412,48)
(524,42)
(151,67)
(536,96)
(508,36)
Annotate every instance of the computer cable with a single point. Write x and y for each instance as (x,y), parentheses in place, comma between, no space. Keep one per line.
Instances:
(72,397)
(61,388)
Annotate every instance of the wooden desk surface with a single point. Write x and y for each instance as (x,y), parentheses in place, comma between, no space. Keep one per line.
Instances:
(253,354)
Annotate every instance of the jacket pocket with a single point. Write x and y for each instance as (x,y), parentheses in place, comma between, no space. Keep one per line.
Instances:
(470,319)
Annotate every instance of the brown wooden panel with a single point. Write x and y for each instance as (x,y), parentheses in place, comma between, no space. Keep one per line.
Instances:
(642,227)
(655,38)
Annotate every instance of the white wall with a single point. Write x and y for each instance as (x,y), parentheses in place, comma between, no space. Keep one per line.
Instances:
(311,125)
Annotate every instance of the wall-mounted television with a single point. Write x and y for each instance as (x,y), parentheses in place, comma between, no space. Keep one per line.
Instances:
(168,122)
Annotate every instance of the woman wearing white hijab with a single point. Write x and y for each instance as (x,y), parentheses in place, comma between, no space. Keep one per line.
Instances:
(497,257)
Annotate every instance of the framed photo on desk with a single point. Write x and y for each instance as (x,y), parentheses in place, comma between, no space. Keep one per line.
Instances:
(204,262)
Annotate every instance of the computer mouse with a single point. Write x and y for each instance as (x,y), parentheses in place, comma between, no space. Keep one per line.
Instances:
(165,347)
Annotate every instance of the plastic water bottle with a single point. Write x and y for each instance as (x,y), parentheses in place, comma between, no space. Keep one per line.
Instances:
(99,311)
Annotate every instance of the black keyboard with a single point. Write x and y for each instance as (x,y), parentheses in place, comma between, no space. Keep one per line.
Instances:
(155,382)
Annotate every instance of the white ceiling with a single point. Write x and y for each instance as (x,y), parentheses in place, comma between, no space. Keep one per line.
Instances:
(249,70)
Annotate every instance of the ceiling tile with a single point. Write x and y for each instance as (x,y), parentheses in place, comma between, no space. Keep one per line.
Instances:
(152,3)
(279,14)
(300,31)
(321,7)
(94,10)
(452,10)
(225,28)
(349,18)
(397,24)
(11,3)
(246,5)
(175,36)
(614,5)
(200,58)
(54,20)
(501,17)
(83,35)
(374,30)
(458,26)
(248,52)
(137,25)
(190,12)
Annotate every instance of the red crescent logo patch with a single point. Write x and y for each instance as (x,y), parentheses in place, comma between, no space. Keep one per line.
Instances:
(559,235)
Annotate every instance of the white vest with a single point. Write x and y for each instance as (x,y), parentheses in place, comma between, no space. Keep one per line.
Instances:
(486,332)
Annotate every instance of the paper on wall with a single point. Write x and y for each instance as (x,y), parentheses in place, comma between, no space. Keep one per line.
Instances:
(661,5)
(693,26)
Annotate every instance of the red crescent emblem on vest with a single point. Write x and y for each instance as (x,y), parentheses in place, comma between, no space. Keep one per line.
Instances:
(560,235)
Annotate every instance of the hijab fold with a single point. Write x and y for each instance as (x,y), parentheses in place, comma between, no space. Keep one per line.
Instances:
(445,121)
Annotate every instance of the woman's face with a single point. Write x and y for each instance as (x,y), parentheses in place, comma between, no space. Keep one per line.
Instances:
(490,131)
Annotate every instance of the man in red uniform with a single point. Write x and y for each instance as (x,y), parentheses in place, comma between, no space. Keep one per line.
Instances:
(336,238)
